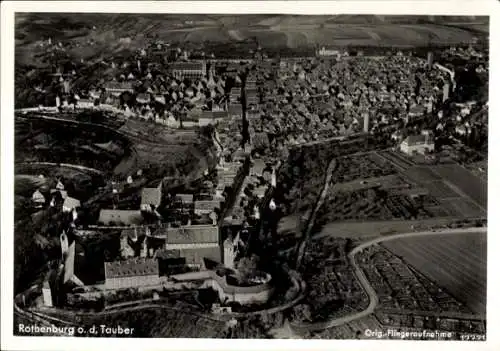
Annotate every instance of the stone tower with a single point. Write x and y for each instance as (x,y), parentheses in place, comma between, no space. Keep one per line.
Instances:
(229,252)
(273,178)
(68,257)
(64,245)
(144,248)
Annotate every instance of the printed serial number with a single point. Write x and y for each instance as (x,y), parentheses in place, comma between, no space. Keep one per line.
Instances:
(473,337)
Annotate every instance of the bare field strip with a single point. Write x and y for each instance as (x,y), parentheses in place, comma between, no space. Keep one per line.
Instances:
(440,190)
(294,35)
(357,229)
(439,32)
(463,207)
(208,34)
(266,37)
(457,263)
(468,183)
(422,174)
(480,27)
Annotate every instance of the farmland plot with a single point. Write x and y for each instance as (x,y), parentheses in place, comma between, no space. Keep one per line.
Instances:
(463,207)
(422,174)
(369,228)
(457,263)
(440,190)
(470,185)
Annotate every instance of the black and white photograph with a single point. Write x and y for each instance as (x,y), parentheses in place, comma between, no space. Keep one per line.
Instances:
(250,176)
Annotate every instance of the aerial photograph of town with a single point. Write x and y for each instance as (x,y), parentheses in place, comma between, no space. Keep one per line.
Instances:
(241,176)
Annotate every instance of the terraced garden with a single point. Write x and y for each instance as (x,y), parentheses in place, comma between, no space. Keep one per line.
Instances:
(361,166)
(370,204)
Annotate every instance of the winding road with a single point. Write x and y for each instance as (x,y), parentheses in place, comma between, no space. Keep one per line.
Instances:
(309,327)
(67,165)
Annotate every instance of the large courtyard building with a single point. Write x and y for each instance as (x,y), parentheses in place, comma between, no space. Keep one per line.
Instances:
(188,245)
(131,273)
(117,88)
(418,143)
(190,70)
(193,244)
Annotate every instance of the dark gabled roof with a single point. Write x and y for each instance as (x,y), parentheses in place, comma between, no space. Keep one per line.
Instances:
(131,232)
(417,109)
(145,97)
(235,108)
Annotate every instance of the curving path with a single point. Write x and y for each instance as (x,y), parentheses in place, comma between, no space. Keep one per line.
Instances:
(308,327)
(123,134)
(67,165)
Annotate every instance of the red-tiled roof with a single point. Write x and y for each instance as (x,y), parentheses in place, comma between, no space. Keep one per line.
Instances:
(214,114)
(119,217)
(187,66)
(258,166)
(187,198)
(415,140)
(143,97)
(70,202)
(119,86)
(209,205)
(194,234)
(151,196)
(235,108)
(131,268)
